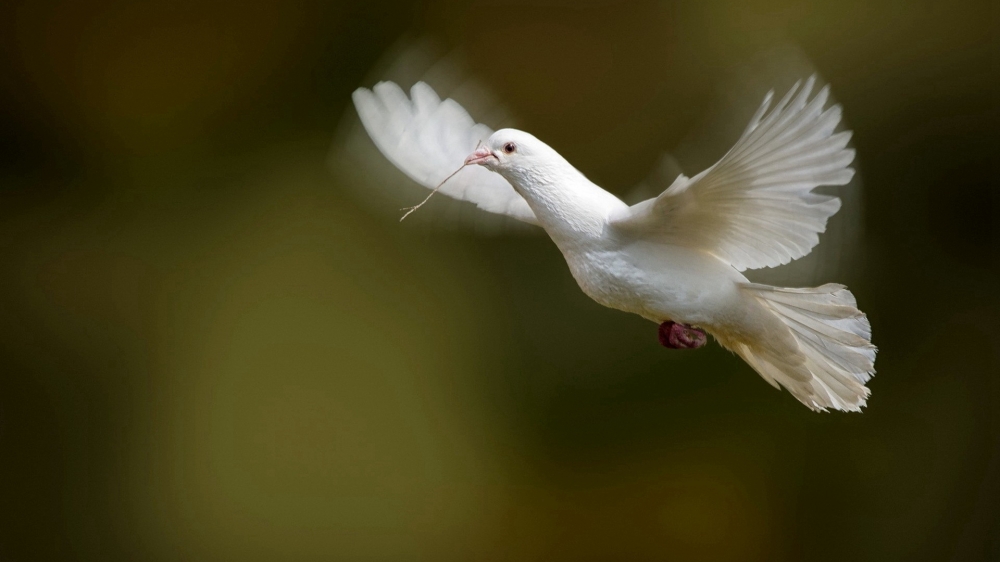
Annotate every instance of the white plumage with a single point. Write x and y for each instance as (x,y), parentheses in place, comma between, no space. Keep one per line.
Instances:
(754,208)
(676,257)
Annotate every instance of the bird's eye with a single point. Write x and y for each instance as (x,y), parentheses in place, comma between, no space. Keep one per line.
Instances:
(509,148)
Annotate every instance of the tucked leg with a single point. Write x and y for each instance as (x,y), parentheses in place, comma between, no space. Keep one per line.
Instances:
(681,336)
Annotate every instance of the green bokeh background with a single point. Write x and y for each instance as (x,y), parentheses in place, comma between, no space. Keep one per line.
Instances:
(212,350)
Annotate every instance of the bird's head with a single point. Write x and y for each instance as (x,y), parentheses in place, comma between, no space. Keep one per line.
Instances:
(510,150)
(564,201)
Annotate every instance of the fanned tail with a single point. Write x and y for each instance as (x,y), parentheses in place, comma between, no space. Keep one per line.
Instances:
(833,356)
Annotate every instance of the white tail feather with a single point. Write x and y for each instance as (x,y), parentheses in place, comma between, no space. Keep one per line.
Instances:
(834,356)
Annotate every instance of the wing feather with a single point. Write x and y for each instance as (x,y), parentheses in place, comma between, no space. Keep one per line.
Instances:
(755,207)
(429,138)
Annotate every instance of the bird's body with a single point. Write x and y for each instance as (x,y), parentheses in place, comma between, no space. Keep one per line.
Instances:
(678,257)
(658,281)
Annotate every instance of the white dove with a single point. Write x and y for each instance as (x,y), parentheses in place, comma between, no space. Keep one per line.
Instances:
(674,259)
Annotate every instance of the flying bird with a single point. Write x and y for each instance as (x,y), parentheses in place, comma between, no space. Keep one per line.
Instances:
(675,259)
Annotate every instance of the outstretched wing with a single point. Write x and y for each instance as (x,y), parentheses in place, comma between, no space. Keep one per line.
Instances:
(755,207)
(428,139)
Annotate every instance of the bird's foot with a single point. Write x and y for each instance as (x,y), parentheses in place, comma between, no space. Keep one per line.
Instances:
(681,336)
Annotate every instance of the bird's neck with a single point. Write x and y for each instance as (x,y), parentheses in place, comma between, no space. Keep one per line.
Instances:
(571,208)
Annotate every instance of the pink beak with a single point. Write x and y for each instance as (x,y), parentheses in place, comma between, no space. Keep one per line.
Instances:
(481,155)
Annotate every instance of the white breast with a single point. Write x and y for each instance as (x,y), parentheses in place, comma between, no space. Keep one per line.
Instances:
(654,281)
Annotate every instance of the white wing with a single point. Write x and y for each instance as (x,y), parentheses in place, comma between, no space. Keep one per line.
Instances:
(755,207)
(428,139)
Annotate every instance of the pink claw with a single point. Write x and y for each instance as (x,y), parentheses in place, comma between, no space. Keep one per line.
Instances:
(681,336)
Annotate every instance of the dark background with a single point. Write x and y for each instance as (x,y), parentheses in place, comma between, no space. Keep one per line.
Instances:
(210,349)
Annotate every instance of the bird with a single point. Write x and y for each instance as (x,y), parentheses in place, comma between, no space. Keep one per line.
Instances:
(676,259)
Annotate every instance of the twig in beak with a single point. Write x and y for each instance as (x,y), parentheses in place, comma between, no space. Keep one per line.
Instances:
(421,204)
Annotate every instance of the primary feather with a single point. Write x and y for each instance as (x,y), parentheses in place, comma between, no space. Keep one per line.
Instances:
(755,207)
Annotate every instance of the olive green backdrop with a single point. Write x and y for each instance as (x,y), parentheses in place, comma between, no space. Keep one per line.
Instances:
(212,349)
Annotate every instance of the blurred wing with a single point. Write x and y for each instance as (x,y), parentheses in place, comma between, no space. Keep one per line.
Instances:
(755,207)
(428,139)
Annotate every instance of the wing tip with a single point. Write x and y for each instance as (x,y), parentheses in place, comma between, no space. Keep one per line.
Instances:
(422,94)
(361,96)
(385,88)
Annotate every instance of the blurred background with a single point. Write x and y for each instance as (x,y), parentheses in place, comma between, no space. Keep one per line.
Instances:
(214,347)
